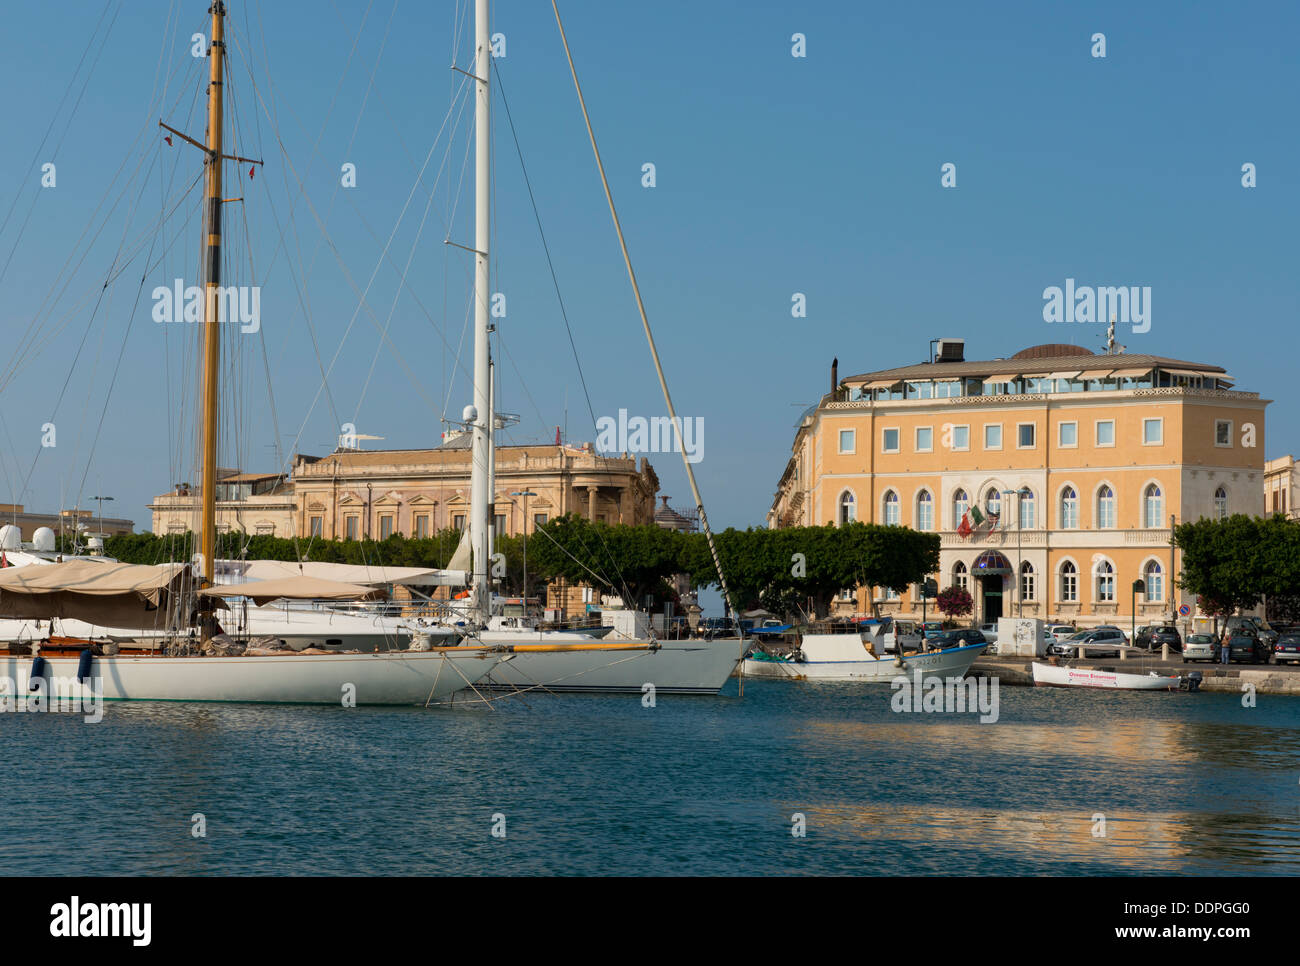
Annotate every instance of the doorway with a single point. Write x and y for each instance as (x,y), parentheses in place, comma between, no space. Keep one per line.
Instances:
(991,592)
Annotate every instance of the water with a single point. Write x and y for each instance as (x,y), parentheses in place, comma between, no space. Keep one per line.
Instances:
(1188,784)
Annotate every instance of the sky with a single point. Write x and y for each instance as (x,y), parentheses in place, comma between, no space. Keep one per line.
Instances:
(775,175)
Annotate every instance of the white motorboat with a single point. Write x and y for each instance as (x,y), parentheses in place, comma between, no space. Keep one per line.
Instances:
(1085,677)
(856,657)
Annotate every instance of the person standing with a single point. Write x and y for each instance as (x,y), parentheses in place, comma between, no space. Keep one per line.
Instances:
(1224,647)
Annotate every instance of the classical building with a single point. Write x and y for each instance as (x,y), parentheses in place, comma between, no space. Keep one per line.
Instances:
(65,521)
(253,503)
(1069,467)
(357,494)
(1281,487)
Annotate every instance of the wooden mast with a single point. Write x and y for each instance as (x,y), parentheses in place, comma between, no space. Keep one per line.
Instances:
(212,282)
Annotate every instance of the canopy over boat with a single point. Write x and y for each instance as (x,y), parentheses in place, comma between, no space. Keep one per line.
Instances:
(117,594)
(295,588)
(345,573)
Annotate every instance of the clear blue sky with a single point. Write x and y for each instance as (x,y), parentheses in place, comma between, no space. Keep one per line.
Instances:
(776,175)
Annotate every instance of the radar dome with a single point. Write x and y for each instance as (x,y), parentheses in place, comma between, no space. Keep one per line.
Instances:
(43,539)
(11,538)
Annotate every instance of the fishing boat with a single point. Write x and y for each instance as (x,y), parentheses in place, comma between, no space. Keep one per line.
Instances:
(1063,676)
(199,662)
(857,657)
(543,659)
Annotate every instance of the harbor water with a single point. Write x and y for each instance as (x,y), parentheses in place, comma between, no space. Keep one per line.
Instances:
(1064,782)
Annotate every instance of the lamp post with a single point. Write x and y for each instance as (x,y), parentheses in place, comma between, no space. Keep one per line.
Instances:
(101,500)
(1019,494)
(525,494)
(1139,587)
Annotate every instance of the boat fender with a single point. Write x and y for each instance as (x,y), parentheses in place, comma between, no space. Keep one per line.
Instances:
(421,642)
(83,665)
(38,672)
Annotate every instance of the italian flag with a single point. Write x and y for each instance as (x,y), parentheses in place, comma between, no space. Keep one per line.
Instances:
(971,519)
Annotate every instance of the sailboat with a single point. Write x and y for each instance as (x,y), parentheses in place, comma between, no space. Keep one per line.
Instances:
(203,664)
(558,660)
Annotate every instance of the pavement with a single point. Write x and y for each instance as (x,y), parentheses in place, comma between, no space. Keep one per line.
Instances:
(1266,678)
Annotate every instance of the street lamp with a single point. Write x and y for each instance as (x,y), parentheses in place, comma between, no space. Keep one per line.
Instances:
(1139,587)
(101,500)
(1019,494)
(525,494)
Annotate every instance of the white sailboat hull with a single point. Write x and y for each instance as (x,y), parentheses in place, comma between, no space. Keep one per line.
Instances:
(951,663)
(402,678)
(675,667)
(1082,677)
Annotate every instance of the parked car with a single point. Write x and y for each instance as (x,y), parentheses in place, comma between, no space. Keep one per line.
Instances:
(1143,636)
(1201,647)
(990,632)
(1287,648)
(1165,634)
(1247,649)
(961,637)
(1060,632)
(1097,637)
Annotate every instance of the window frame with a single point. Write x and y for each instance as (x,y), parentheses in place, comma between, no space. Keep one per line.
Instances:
(1060,443)
(1217,424)
(1096,433)
(884,435)
(987,427)
(1160,423)
(853,442)
(1033,431)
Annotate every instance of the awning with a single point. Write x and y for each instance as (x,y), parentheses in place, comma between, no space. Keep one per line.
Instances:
(344,573)
(1000,380)
(107,594)
(1132,373)
(1192,373)
(881,383)
(295,588)
(1065,375)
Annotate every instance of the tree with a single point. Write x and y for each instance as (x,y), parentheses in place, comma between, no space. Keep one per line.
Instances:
(955,602)
(1223,561)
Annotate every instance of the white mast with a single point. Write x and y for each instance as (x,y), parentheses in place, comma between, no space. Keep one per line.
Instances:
(479,496)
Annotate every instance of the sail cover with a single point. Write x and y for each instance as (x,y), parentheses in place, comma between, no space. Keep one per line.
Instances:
(346,573)
(295,588)
(95,591)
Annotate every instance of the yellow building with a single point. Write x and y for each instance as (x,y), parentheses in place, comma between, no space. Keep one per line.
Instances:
(1079,464)
(1281,487)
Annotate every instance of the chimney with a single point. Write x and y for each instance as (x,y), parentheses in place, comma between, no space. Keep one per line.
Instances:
(835,374)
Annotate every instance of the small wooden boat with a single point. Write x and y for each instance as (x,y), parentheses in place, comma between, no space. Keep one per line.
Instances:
(1085,677)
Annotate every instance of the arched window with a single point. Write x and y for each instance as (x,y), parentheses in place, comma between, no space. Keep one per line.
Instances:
(1220,504)
(960,577)
(960,504)
(1106,508)
(1069,509)
(1069,582)
(848,508)
(1027,581)
(1153,507)
(1105,583)
(993,502)
(1026,501)
(891,508)
(925,511)
(1155,580)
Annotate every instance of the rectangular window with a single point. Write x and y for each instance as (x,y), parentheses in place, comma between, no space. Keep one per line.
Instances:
(1069,586)
(889,441)
(422,526)
(1223,432)
(1105,432)
(1025,435)
(539,520)
(499,524)
(961,438)
(351,527)
(993,436)
(1153,432)
(848,440)
(316,525)
(385,526)
(891,593)
(924,439)
(458,521)
(1027,585)
(1068,435)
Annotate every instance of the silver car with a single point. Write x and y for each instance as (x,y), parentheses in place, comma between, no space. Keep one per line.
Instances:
(1200,647)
